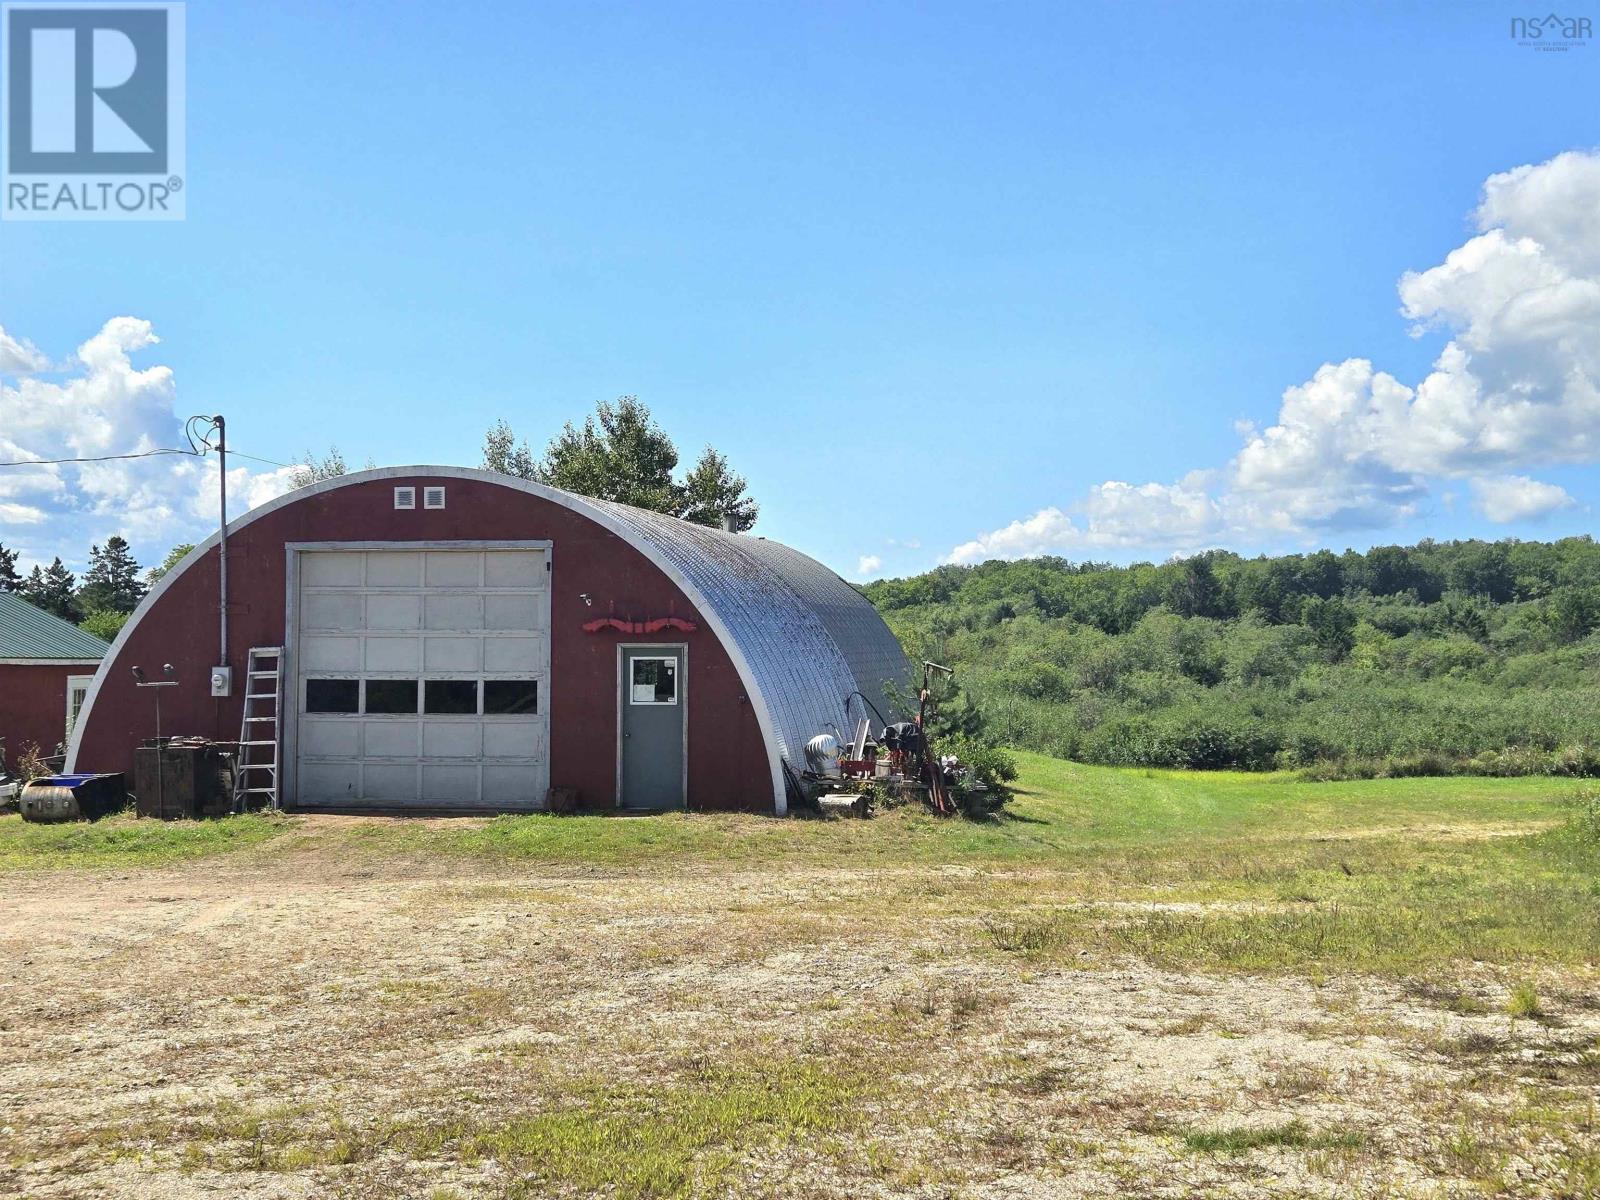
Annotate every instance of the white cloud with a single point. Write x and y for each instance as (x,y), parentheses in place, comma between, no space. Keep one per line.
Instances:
(18,356)
(1516,386)
(101,404)
(1047,530)
(866,565)
(1116,515)
(1506,498)
(20,514)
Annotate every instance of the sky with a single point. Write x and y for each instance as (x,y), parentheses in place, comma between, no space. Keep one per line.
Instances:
(945,281)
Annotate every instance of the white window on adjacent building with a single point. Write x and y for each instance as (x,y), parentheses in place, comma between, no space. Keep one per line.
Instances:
(77,693)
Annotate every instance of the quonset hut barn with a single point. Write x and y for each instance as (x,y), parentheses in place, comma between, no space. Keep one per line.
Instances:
(444,638)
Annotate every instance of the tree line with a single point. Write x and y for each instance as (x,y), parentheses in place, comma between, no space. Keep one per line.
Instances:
(1461,655)
(101,601)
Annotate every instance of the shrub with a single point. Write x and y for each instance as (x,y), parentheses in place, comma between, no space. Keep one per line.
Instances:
(1583,823)
(991,769)
(104,623)
(1524,1001)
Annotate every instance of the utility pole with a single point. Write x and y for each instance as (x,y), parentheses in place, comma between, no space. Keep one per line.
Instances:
(222,561)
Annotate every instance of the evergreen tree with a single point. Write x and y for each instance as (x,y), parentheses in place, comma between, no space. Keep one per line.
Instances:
(1195,592)
(51,589)
(10,581)
(112,581)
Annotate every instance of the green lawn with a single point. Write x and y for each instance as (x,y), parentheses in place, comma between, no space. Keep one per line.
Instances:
(124,840)
(1064,814)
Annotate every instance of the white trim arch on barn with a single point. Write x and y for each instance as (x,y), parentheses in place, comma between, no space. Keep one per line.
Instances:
(800,638)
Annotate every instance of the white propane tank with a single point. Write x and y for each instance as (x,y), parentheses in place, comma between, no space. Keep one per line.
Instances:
(822,755)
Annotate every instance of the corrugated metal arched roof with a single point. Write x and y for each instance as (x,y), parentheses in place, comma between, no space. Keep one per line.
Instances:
(808,637)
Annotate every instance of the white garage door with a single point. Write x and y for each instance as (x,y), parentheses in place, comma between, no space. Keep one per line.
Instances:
(422,678)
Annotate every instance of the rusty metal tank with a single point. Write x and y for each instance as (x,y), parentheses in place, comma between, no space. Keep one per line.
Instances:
(54,798)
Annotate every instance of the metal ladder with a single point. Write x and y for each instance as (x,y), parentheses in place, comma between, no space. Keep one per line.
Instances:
(258,732)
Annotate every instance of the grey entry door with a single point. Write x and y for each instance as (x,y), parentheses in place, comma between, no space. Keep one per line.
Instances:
(653,706)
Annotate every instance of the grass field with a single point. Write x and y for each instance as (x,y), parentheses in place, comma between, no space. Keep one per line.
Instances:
(1136,983)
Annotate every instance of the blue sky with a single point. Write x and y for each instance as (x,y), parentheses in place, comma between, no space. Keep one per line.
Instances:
(924,272)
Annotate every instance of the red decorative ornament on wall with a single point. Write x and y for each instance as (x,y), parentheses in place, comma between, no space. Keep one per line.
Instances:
(658,625)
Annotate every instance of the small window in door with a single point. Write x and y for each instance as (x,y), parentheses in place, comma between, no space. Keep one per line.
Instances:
(333,695)
(655,681)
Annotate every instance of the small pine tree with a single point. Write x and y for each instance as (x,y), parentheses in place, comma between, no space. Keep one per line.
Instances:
(10,581)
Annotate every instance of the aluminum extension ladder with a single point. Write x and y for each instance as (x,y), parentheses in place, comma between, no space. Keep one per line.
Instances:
(259,745)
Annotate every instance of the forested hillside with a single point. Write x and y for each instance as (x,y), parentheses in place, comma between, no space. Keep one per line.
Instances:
(1434,658)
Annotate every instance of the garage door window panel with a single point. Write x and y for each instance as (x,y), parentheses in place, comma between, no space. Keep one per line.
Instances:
(510,697)
(450,697)
(391,697)
(333,696)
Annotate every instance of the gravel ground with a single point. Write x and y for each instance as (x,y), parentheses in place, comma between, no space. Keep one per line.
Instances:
(315,1019)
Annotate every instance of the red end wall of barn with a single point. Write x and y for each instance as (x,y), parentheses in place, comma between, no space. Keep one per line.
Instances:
(728,766)
(33,707)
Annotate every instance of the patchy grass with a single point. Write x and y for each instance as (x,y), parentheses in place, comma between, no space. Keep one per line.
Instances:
(688,1135)
(1524,1001)
(123,840)
(691,1006)
(683,1138)
(1292,1135)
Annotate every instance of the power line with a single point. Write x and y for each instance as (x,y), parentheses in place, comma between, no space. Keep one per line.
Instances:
(51,462)
(54,462)
(271,462)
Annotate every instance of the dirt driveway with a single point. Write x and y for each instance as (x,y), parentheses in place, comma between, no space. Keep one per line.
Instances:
(314,1019)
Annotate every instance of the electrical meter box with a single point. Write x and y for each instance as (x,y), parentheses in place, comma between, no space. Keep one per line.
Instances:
(222,681)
